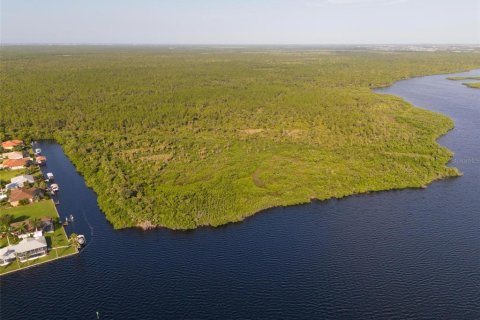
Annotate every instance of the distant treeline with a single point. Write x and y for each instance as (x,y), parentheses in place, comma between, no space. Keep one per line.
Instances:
(188,137)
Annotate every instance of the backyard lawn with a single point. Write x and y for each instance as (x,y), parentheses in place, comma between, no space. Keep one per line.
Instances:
(44,208)
(58,239)
(6,175)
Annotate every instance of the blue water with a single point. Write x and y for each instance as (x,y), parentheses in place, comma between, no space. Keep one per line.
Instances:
(412,254)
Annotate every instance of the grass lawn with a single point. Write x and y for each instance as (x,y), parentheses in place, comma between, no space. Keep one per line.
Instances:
(44,208)
(54,240)
(6,175)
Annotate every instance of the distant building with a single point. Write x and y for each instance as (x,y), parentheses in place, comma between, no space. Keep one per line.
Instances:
(29,194)
(16,164)
(10,144)
(21,180)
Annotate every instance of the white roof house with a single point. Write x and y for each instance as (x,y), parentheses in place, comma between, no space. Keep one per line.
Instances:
(27,249)
(20,180)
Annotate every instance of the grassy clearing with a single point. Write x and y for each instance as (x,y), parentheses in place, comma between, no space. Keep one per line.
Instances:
(190,137)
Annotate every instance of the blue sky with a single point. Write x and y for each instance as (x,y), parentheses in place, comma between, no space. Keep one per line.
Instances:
(240,21)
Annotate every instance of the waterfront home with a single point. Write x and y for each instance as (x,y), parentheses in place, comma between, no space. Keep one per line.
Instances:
(16,164)
(29,194)
(27,249)
(31,248)
(21,180)
(40,160)
(14,155)
(10,144)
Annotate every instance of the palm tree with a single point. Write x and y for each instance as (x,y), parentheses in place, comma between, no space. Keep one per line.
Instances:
(8,231)
(6,220)
(74,240)
(22,228)
(36,223)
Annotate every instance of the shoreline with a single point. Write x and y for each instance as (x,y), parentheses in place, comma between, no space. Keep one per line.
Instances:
(426,185)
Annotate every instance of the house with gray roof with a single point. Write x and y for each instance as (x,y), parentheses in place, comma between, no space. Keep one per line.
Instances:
(21,180)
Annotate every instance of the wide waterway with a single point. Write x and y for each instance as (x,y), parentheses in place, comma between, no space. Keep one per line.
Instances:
(411,254)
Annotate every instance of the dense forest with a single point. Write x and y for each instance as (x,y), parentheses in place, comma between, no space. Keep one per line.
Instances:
(187,137)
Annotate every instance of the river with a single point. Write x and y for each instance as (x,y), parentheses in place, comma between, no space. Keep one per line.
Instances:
(402,254)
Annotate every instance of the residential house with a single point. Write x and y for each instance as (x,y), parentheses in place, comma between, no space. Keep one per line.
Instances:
(29,194)
(31,248)
(14,155)
(27,249)
(16,164)
(21,180)
(10,144)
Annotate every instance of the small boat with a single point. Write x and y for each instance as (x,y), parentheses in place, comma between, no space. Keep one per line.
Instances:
(71,218)
(81,239)
(50,176)
(38,151)
(54,187)
(66,222)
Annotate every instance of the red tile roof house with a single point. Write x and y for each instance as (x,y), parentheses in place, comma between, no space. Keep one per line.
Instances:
(10,144)
(30,194)
(15,164)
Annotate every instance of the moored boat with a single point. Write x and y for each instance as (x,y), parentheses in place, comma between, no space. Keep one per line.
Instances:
(81,239)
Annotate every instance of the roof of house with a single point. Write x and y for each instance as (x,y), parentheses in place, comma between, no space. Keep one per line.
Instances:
(29,244)
(13,155)
(10,186)
(20,180)
(40,158)
(10,163)
(21,194)
(7,253)
(11,143)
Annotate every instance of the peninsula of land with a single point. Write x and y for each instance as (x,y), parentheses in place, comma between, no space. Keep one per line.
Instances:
(202,137)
